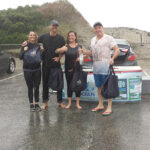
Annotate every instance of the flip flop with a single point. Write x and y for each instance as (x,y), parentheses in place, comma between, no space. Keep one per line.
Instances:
(106,113)
(97,109)
(44,108)
(61,105)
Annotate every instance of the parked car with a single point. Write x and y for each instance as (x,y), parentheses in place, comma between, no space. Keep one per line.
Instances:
(125,58)
(7,62)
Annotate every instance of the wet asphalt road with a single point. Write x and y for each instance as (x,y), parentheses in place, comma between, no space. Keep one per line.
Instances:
(59,129)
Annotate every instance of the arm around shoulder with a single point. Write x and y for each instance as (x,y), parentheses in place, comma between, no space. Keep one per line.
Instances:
(62,49)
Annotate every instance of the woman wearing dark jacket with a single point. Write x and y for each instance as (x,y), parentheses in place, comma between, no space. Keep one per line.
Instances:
(72,51)
(31,56)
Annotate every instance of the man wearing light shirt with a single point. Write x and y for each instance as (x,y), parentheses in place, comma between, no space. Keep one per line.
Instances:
(101,46)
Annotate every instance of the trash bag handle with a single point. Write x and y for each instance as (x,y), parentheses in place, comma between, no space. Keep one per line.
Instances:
(111,70)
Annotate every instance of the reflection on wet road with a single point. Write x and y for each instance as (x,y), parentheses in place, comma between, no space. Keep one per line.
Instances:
(59,129)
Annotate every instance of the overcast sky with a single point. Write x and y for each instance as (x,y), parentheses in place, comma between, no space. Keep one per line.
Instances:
(112,13)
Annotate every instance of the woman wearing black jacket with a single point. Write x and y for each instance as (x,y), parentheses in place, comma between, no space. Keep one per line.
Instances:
(72,51)
(31,56)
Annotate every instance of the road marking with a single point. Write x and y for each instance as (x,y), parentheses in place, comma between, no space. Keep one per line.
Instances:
(11,77)
(146,76)
(146,73)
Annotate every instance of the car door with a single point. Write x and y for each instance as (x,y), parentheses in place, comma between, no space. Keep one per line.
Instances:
(4,61)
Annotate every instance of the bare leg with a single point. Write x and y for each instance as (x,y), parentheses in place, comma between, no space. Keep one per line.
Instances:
(69,103)
(100,105)
(109,107)
(78,103)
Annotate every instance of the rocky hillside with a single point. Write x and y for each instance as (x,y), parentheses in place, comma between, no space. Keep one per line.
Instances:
(139,40)
(131,34)
(69,18)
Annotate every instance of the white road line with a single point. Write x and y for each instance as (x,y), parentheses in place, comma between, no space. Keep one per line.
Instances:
(146,73)
(147,76)
(11,77)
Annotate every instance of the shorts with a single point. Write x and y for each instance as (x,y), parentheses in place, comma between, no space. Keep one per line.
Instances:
(100,79)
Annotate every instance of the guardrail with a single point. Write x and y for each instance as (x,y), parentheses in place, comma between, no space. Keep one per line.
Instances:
(9,46)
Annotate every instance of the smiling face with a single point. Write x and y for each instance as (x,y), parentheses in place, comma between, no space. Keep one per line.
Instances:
(99,30)
(72,37)
(54,28)
(32,37)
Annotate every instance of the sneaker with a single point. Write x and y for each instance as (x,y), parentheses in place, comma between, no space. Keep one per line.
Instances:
(32,107)
(37,107)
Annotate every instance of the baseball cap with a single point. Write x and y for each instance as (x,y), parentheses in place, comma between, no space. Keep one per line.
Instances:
(54,23)
(97,24)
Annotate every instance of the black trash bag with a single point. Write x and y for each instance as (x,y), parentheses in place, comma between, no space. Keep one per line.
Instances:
(33,56)
(110,88)
(79,80)
(55,81)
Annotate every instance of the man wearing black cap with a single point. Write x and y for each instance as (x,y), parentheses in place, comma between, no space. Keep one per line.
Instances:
(51,41)
(101,46)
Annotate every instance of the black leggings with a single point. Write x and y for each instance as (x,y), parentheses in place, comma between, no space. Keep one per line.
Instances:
(45,76)
(33,80)
(69,76)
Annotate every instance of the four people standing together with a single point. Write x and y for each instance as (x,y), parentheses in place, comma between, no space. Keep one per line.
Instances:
(55,47)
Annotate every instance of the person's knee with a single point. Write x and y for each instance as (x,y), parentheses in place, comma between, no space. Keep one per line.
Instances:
(30,86)
(100,88)
(78,94)
(36,87)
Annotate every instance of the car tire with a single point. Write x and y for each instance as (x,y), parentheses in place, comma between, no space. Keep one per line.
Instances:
(11,67)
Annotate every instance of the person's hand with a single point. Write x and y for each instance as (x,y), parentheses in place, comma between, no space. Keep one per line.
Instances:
(83,50)
(41,48)
(78,59)
(24,43)
(80,51)
(25,48)
(64,48)
(111,61)
(56,59)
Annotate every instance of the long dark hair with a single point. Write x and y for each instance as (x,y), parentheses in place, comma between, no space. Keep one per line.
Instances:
(74,34)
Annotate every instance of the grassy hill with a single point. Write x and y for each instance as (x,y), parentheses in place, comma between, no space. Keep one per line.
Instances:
(16,23)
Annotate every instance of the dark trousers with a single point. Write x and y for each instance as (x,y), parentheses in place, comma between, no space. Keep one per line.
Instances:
(33,80)
(45,77)
(69,76)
